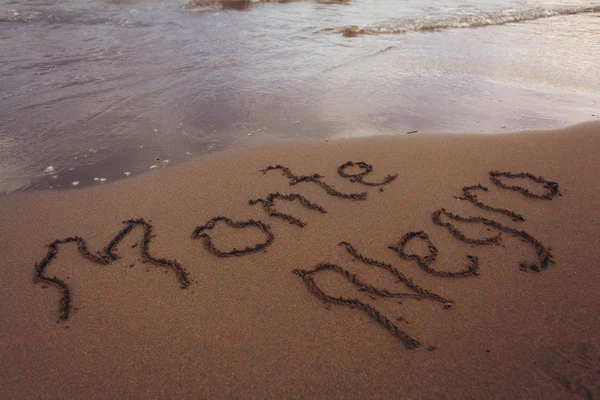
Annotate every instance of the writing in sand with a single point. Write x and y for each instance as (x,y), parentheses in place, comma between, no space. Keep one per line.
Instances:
(412,291)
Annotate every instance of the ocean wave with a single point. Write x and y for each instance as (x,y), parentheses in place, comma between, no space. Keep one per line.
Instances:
(400,26)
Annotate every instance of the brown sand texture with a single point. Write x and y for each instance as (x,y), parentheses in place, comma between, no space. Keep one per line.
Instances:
(414,267)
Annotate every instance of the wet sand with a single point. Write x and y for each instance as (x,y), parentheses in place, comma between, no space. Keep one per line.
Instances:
(520,321)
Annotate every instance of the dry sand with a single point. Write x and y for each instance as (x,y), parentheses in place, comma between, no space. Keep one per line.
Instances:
(247,327)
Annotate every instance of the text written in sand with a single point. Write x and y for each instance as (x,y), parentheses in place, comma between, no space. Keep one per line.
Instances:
(413,291)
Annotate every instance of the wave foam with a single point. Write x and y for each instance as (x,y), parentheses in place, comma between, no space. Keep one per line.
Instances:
(471,21)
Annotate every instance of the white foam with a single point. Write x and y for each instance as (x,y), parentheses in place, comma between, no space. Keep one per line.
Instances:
(480,19)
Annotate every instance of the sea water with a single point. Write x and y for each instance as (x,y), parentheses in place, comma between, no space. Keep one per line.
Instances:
(103,89)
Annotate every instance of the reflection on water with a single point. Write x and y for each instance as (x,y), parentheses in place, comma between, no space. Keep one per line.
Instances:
(102,87)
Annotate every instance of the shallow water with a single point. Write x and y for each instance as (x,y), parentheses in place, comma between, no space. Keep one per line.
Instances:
(99,88)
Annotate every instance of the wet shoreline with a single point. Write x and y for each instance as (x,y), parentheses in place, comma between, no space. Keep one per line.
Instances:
(98,89)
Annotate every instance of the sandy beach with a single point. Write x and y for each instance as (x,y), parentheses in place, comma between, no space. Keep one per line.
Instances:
(488,291)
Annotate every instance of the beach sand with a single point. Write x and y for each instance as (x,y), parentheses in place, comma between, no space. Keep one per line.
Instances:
(248,327)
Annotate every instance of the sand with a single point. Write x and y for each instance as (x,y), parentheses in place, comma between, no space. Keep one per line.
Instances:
(248,327)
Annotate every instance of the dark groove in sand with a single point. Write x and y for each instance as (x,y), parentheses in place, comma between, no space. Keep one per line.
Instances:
(268,206)
(545,256)
(199,233)
(315,178)
(367,169)
(105,257)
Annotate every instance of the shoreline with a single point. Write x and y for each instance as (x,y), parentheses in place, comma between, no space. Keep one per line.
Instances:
(284,309)
(65,184)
